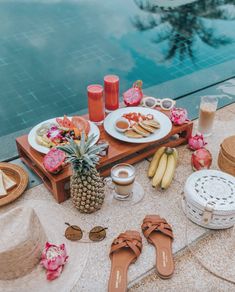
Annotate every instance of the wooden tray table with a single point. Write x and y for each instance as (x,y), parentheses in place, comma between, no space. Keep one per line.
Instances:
(118,152)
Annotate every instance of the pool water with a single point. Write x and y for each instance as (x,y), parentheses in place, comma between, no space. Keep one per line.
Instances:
(51,50)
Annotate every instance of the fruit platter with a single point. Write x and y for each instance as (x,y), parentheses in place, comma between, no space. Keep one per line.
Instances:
(57,131)
(137,125)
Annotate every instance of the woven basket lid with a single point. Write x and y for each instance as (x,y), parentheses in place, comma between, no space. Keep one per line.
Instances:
(212,187)
(22,242)
(18,175)
(228,147)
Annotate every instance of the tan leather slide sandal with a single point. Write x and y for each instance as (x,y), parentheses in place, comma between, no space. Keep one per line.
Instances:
(159,233)
(125,250)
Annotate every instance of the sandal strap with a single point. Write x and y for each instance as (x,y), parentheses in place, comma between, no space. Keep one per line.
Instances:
(153,223)
(129,239)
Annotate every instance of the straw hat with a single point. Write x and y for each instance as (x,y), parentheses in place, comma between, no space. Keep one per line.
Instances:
(22,242)
(25,228)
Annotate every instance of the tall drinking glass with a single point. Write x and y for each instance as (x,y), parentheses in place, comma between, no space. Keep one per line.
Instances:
(207,112)
(95,94)
(111,92)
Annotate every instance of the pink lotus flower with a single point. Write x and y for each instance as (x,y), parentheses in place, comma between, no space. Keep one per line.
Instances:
(53,259)
(196,142)
(52,275)
(179,116)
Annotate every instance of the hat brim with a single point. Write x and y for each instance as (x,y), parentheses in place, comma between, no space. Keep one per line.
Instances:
(53,218)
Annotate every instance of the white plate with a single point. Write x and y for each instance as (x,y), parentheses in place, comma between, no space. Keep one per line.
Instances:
(42,149)
(166,125)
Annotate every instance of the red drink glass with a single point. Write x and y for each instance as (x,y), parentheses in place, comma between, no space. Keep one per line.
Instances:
(111,92)
(95,94)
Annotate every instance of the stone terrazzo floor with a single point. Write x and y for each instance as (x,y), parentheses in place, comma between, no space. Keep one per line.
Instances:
(119,218)
(190,275)
(216,251)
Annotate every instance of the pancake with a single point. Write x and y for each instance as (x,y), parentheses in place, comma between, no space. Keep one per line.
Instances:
(147,128)
(132,134)
(152,123)
(138,129)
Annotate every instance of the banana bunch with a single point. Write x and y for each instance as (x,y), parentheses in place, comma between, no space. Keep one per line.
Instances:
(162,167)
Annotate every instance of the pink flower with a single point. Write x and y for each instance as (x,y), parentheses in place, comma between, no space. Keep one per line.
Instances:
(53,259)
(196,142)
(179,116)
(52,275)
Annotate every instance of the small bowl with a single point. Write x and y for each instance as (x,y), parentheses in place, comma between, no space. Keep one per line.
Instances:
(122,130)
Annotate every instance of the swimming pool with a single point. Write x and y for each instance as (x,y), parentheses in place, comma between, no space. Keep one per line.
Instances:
(51,50)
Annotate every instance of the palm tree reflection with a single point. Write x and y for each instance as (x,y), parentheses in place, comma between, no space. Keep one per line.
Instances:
(182,25)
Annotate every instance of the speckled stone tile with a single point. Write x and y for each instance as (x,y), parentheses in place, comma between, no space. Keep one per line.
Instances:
(119,218)
(231,107)
(217,252)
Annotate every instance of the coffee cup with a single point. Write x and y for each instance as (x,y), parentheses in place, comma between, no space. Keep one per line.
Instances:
(123,178)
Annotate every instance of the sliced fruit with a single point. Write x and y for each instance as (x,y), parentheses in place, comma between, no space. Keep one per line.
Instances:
(138,129)
(81,124)
(43,129)
(146,127)
(43,141)
(160,171)
(77,133)
(65,122)
(155,161)
(59,121)
(169,173)
(132,134)
(54,160)
(152,123)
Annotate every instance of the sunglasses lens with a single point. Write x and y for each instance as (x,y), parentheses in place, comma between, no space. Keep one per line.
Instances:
(149,102)
(167,104)
(97,233)
(73,233)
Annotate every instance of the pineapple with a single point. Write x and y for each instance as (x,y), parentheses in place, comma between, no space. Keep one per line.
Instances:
(86,185)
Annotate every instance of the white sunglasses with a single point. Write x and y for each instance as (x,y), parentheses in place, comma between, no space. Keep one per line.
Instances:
(152,102)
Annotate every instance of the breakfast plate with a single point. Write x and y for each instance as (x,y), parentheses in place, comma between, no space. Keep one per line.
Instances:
(164,122)
(32,137)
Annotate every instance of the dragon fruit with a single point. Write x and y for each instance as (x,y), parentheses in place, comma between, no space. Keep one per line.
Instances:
(53,259)
(133,96)
(54,160)
(179,116)
(201,159)
(196,142)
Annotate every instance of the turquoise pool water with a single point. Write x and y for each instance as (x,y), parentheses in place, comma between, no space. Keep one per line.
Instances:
(51,50)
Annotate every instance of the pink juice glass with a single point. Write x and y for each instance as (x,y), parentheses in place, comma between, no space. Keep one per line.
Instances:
(95,95)
(111,92)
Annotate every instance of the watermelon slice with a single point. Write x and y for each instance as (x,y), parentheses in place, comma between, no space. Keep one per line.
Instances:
(65,122)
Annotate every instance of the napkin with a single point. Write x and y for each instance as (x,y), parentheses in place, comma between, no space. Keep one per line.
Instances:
(6,183)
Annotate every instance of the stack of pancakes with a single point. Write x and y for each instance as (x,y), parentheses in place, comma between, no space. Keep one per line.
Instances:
(143,129)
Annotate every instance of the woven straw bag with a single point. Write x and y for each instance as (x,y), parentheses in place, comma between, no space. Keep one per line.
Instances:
(209,199)
(226,159)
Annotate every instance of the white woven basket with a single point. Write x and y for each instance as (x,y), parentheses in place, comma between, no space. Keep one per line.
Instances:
(209,199)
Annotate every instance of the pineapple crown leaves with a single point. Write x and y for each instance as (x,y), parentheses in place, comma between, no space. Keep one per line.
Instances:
(83,157)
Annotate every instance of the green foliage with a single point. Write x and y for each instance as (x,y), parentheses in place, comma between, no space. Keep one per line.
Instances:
(83,157)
